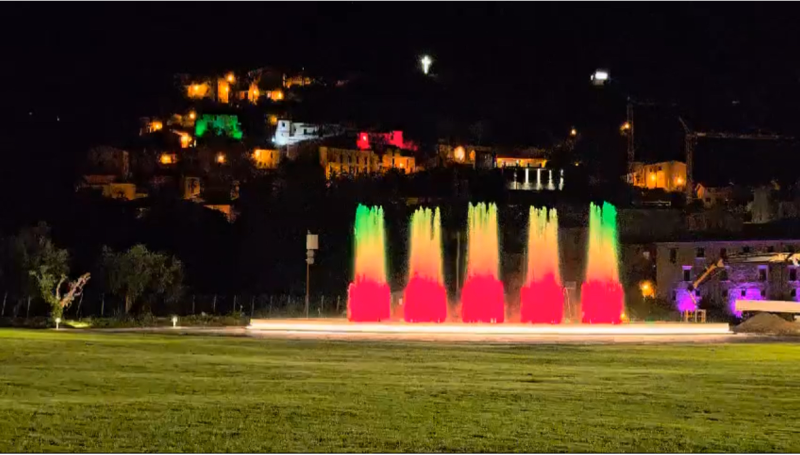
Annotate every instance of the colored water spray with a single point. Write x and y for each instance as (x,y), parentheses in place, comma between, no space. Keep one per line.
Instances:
(369,296)
(482,297)
(425,297)
(602,297)
(542,297)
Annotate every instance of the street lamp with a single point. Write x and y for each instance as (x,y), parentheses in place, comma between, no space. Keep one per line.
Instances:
(573,132)
(426,62)
(58,321)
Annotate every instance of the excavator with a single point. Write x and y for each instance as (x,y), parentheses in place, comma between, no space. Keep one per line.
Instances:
(770,306)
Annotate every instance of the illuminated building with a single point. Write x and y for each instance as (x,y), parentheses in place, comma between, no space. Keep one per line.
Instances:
(396,159)
(223,91)
(667,175)
(679,264)
(266,158)
(714,195)
(366,140)
(275,95)
(220,125)
(461,153)
(168,158)
(340,162)
(296,81)
(290,133)
(198,90)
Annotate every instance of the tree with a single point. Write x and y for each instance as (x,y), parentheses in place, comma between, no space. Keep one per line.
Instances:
(50,290)
(139,272)
(28,253)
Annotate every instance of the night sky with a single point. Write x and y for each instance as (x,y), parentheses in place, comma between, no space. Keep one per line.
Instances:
(525,67)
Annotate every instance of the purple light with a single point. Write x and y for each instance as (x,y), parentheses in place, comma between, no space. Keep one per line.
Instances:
(753,293)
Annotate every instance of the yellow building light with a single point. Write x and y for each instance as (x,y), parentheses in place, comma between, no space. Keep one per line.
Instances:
(625,126)
(459,153)
(185,140)
(653,177)
(679,181)
(220,158)
(273,120)
(156,126)
(573,132)
(230,78)
(195,87)
(647,289)
(166,158)
(255,92)
(192,115)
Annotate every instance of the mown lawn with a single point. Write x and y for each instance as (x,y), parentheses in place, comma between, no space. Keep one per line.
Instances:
(78,391)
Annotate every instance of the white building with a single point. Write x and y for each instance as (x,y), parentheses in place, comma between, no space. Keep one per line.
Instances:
(291,133)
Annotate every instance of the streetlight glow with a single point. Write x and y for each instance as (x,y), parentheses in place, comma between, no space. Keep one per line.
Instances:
(426,62)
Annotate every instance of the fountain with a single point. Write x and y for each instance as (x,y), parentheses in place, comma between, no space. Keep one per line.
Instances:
(369,296)
(482,298)
(541,297)
(602,297)
(425,297)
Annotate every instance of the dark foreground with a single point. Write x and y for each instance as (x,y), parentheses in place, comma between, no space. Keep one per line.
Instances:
(72,391)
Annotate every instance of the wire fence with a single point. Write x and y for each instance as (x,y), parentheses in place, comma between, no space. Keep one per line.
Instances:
(251,305)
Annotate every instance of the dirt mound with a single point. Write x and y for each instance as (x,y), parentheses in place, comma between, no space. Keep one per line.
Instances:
(769,324)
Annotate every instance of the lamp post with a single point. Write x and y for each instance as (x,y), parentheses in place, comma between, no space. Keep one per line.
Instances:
(312,244)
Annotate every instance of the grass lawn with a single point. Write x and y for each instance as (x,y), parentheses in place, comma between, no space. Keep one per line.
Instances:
(78,391)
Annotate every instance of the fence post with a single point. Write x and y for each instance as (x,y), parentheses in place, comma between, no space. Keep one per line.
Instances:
(5,296)
(214,305)
(321,305)
(234,303)
(80,302)
(103,304)
(28,310)
(252,305)
(193,296)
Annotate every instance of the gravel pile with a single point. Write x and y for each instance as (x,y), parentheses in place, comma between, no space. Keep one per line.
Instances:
(769,324)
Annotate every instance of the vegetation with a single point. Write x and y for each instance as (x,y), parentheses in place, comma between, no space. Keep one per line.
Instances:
(78,391)
(33,267)
(138,271)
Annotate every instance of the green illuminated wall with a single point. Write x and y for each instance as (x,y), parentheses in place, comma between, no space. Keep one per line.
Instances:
(219,125)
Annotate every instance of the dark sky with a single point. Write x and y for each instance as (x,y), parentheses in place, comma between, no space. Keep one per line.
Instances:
(716,51)
(99,67)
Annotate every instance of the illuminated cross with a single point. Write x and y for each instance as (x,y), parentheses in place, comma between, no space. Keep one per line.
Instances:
(426,64)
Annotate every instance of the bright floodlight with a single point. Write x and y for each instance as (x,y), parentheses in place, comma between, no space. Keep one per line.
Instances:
(426,62)
(599,77)
(58,321)
(174,320)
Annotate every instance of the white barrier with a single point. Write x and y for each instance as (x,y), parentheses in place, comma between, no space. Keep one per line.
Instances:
(770,306)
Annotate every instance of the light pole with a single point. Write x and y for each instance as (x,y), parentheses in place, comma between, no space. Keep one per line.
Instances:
(312,244)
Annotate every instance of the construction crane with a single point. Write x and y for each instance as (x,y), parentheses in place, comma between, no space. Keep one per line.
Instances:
(691,138)
(752,258)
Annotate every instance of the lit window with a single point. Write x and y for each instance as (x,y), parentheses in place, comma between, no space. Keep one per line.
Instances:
(220,158)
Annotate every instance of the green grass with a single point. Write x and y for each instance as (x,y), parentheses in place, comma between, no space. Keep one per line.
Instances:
(78,391)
